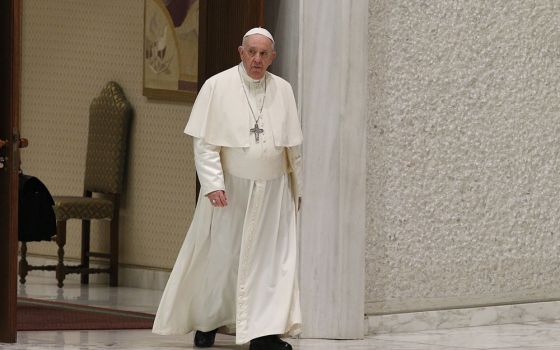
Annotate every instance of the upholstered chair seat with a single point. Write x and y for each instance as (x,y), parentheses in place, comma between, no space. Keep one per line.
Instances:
(83,208)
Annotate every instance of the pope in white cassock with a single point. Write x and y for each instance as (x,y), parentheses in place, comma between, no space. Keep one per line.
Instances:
(237,266)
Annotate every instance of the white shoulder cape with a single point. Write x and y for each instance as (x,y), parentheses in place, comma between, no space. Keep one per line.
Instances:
(221,115)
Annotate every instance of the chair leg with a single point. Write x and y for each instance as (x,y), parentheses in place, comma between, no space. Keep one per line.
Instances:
(23,264)
(114,260)
(85,250)
(60,241)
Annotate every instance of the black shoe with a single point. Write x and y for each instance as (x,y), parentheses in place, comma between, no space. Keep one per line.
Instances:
(204,339)
(270,342)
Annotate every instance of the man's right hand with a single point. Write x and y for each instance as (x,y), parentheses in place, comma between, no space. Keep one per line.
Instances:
(217,198)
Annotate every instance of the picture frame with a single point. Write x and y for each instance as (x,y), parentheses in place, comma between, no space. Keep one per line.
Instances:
(171,49)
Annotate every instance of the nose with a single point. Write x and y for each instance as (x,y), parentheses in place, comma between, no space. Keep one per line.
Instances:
(258,58)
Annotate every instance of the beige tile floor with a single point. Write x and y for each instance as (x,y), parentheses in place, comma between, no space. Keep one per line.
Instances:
(527,336)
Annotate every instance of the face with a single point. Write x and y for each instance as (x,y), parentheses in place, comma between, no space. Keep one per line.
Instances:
(257,54)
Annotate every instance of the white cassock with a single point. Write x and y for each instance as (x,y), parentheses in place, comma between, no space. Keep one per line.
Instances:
(237,266)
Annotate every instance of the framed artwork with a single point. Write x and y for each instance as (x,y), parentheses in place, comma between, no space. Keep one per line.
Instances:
(171,37)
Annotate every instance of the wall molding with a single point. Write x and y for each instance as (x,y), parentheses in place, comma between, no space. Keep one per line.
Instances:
(465,317)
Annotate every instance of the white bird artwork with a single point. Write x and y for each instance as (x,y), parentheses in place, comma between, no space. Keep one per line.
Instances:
(157,53)
(161,44)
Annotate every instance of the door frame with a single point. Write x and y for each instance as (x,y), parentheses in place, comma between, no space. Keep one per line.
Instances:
(10,71)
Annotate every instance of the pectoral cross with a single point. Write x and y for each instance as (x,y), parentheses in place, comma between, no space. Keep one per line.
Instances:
(256,130)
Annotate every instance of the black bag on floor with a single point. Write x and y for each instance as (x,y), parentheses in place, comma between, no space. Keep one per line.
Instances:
(37,221)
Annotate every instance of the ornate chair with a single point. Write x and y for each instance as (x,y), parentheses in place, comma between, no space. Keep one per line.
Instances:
(109,120)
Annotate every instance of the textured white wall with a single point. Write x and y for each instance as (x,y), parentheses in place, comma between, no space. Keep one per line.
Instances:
(463,184)
(71,48)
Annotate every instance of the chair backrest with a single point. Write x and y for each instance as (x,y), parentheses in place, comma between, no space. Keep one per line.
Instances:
(109,122)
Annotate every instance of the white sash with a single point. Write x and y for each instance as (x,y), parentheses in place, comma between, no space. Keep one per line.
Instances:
(236,162)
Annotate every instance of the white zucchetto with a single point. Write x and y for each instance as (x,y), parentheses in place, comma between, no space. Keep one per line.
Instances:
(261,31)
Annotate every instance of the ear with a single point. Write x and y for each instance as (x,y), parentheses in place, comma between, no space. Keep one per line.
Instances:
(240,49)
(273,56)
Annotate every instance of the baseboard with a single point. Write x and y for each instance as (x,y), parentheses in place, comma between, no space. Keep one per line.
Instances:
(129,276)
(457,318)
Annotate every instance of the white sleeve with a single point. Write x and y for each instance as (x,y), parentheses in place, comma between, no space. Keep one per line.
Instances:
(208,166)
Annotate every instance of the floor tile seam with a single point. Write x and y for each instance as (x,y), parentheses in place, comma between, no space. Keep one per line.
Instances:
(432,331)
(429,344)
